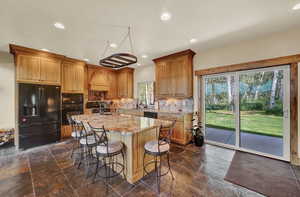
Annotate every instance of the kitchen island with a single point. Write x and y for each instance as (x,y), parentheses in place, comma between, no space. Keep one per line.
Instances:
(182,131)
(134,132)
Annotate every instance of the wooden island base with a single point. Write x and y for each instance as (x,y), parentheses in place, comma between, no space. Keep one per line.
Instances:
(134,152)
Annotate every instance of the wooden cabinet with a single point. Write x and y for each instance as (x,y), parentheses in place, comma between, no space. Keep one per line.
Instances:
(73,76)
(103,79)
(117,83)
(35,66)
(112,80)
(50,70)
(164,76)
(174,75)
(35,69)
(28,68)
(125,83)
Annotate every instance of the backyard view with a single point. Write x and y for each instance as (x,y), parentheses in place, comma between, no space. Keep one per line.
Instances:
(261,101)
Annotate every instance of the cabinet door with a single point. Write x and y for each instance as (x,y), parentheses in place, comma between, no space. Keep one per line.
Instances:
(180,77)
(122,80)
(112,84)
(163,79)
(178,133)
(129,85)
(68,77)
(50,70)
(78,83)
(28,68)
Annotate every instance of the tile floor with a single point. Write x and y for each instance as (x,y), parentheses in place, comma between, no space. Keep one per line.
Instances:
(49,171)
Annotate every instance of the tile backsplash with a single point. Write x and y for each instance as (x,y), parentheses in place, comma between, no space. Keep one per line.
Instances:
(125,103)
(171,105)
(175,105)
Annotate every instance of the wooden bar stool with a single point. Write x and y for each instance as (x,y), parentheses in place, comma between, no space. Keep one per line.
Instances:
(157,149)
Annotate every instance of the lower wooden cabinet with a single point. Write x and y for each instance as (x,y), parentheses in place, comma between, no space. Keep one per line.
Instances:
(66,131)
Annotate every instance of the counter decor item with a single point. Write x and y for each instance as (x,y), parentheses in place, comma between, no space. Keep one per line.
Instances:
(6,136)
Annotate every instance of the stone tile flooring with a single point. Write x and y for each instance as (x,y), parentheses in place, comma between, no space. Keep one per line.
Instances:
(49,171)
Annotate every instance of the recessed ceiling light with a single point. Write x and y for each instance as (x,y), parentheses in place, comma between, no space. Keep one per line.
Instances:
(296,7)
(193,40)
(144,56)
(45,50)
(165,16)
(113,45)
(59,25)
(85,59)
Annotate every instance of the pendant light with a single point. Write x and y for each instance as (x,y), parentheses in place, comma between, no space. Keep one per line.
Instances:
(119,60)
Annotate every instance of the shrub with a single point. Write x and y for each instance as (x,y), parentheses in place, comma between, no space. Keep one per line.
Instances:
(251,106)
(277,110)
(217,107)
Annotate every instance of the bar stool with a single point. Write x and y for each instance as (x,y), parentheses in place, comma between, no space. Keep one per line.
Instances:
(87,143)
(76,134)
(108,150)
(157,149)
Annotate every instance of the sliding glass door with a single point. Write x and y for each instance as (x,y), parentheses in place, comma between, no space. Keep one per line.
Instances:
(249,110)
(219,109)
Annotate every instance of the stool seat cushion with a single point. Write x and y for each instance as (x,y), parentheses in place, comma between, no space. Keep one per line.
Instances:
(89,140)
(76,134)
(113,147)
(152,146)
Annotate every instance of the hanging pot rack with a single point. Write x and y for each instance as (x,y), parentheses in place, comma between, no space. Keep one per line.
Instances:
(119,60)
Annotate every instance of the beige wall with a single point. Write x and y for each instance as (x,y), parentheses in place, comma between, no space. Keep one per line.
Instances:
(7,91)
(269,46)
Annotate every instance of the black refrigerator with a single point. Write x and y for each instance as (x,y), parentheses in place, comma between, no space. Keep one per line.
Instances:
(39,115)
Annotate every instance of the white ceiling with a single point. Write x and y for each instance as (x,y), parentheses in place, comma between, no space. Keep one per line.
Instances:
(90,23)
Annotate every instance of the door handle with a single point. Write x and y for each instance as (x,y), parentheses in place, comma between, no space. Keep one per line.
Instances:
(286,113)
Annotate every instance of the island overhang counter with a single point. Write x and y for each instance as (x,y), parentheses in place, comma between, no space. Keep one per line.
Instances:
(134,132)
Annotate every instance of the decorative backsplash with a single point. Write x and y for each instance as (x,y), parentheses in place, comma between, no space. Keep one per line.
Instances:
(170,105)
(175,105)
(125,103)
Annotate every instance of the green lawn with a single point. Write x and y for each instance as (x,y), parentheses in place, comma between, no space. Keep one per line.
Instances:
(254,122)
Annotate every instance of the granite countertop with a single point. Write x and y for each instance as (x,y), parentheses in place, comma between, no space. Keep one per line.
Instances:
(127,124)
(159,111)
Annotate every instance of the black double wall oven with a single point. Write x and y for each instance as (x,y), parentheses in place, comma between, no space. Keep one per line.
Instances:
(71,104)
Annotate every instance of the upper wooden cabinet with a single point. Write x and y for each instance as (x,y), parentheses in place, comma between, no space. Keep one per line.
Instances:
(50,70)
(117,83)
(102,79)
(174,75)
(125,83)
(112,80)
(73,76)
(34,66)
